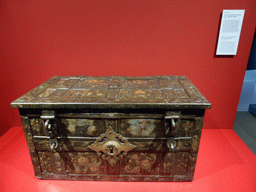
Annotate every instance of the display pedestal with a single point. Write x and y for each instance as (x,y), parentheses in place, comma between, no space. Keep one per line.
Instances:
(224,163)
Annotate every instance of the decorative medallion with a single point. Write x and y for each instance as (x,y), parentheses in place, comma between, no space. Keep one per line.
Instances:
(140,164)
(111,146)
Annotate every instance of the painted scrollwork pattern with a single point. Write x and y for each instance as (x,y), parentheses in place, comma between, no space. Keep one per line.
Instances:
(140,164)
(31,146)
(140,83)
(92,83)
(181,163)
(187,127)
(141,127)
(168,164)
(191,165)
(37,126)
(83,95)
(51,162)
(82,127)
(84,163)
(195,143)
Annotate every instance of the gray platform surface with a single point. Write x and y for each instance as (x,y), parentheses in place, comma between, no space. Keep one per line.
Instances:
(245,128)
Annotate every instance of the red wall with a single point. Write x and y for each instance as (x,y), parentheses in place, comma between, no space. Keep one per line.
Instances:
(40,39)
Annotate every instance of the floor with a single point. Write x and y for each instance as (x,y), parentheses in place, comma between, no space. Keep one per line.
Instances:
(224,164)
(245,128)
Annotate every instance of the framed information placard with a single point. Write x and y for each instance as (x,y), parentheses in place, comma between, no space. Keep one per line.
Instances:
(230,30)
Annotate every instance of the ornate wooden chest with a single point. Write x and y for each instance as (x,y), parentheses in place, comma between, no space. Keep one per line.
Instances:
(113,128)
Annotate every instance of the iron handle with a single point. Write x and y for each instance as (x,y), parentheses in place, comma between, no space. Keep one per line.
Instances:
(171,118)
(173,123)
(171,143)
(49,116)
(54,144)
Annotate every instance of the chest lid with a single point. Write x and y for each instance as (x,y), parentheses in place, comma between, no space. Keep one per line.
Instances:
(113,92)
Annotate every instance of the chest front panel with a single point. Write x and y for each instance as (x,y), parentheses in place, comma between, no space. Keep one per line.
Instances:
(146,147)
